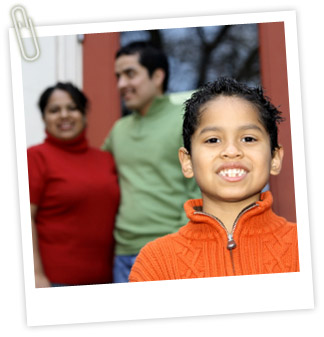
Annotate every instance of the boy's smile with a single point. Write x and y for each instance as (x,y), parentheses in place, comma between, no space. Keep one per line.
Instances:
(232,172)
(230,153)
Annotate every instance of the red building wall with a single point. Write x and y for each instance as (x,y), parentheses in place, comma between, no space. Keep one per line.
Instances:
(275,82)
(99,84)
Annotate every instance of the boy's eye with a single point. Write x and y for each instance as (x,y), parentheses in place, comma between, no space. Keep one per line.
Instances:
(249,139)
(213,140)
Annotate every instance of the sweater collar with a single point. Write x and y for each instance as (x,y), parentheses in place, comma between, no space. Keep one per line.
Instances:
(257,219)
(77,144)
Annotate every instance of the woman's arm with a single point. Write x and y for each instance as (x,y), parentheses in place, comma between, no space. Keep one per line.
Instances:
(41,281)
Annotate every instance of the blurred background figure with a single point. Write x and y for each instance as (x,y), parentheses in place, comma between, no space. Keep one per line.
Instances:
(145,147)
(74,196)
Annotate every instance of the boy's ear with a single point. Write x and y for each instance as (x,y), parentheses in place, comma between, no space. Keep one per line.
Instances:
(185,161)
(276,162)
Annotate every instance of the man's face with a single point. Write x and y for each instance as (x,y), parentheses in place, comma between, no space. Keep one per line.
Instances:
(230,152)
(136,87)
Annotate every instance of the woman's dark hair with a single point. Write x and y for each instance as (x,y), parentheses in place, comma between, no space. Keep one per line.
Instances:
(269,115)
(77,95)
(150,57)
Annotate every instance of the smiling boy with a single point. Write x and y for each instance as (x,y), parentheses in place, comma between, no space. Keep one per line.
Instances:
(230,148)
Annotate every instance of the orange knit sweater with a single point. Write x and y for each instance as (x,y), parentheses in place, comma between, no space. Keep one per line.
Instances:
(265,243)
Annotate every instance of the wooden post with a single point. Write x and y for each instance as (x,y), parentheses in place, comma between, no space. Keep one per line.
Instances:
(275,82)
(99,84)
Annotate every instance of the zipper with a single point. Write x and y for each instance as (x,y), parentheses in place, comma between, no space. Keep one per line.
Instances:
(231,244)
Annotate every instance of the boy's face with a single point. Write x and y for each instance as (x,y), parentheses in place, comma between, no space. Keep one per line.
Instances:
(136,87)
(230,152)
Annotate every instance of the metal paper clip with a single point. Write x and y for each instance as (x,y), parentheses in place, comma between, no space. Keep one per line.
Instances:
(29,25)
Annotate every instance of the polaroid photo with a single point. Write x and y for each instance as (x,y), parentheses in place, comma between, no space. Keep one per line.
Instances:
(84,54)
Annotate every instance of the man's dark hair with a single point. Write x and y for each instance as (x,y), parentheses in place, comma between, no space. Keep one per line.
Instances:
(78,96)
(150,57)
(269,115)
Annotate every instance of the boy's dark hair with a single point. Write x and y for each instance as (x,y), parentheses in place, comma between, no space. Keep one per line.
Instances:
(150,57)
(269,115)
(78,96)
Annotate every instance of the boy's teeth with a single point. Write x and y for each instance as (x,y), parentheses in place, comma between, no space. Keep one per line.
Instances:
(231,173)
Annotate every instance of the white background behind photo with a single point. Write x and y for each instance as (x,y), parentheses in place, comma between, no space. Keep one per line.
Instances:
(12,295)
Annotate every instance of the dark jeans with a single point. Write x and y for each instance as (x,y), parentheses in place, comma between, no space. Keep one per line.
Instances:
(59,285)
(122,267)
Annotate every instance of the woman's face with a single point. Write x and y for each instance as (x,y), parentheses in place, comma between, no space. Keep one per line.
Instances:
(62,118)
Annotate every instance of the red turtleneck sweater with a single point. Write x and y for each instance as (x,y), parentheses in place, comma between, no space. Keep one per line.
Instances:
(76,190)
(265,243)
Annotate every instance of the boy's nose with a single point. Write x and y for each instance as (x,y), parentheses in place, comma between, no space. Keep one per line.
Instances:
(231,150)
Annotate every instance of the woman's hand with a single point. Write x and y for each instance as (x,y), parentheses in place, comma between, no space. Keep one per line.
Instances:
(41,281)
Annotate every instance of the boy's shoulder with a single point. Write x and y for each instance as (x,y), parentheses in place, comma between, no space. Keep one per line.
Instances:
(151,257)
(291,224)
(159,259)
(160,243)
(289,229)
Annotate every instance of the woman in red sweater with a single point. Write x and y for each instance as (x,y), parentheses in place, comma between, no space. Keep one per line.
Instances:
(74,196)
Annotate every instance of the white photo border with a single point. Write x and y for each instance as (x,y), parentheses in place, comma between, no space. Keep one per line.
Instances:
(180,298)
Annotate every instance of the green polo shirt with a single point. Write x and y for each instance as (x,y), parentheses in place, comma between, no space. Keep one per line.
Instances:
(153,188)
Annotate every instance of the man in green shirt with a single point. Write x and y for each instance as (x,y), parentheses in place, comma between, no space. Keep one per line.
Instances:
(145,147)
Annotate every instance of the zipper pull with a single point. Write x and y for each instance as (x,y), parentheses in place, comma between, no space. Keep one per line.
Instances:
(231,244)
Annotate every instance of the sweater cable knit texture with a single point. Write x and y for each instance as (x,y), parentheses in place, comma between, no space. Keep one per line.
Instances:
(265,243)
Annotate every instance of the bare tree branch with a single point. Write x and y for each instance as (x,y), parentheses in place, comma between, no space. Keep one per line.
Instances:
(156,38)
(246,69)
(207,49)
